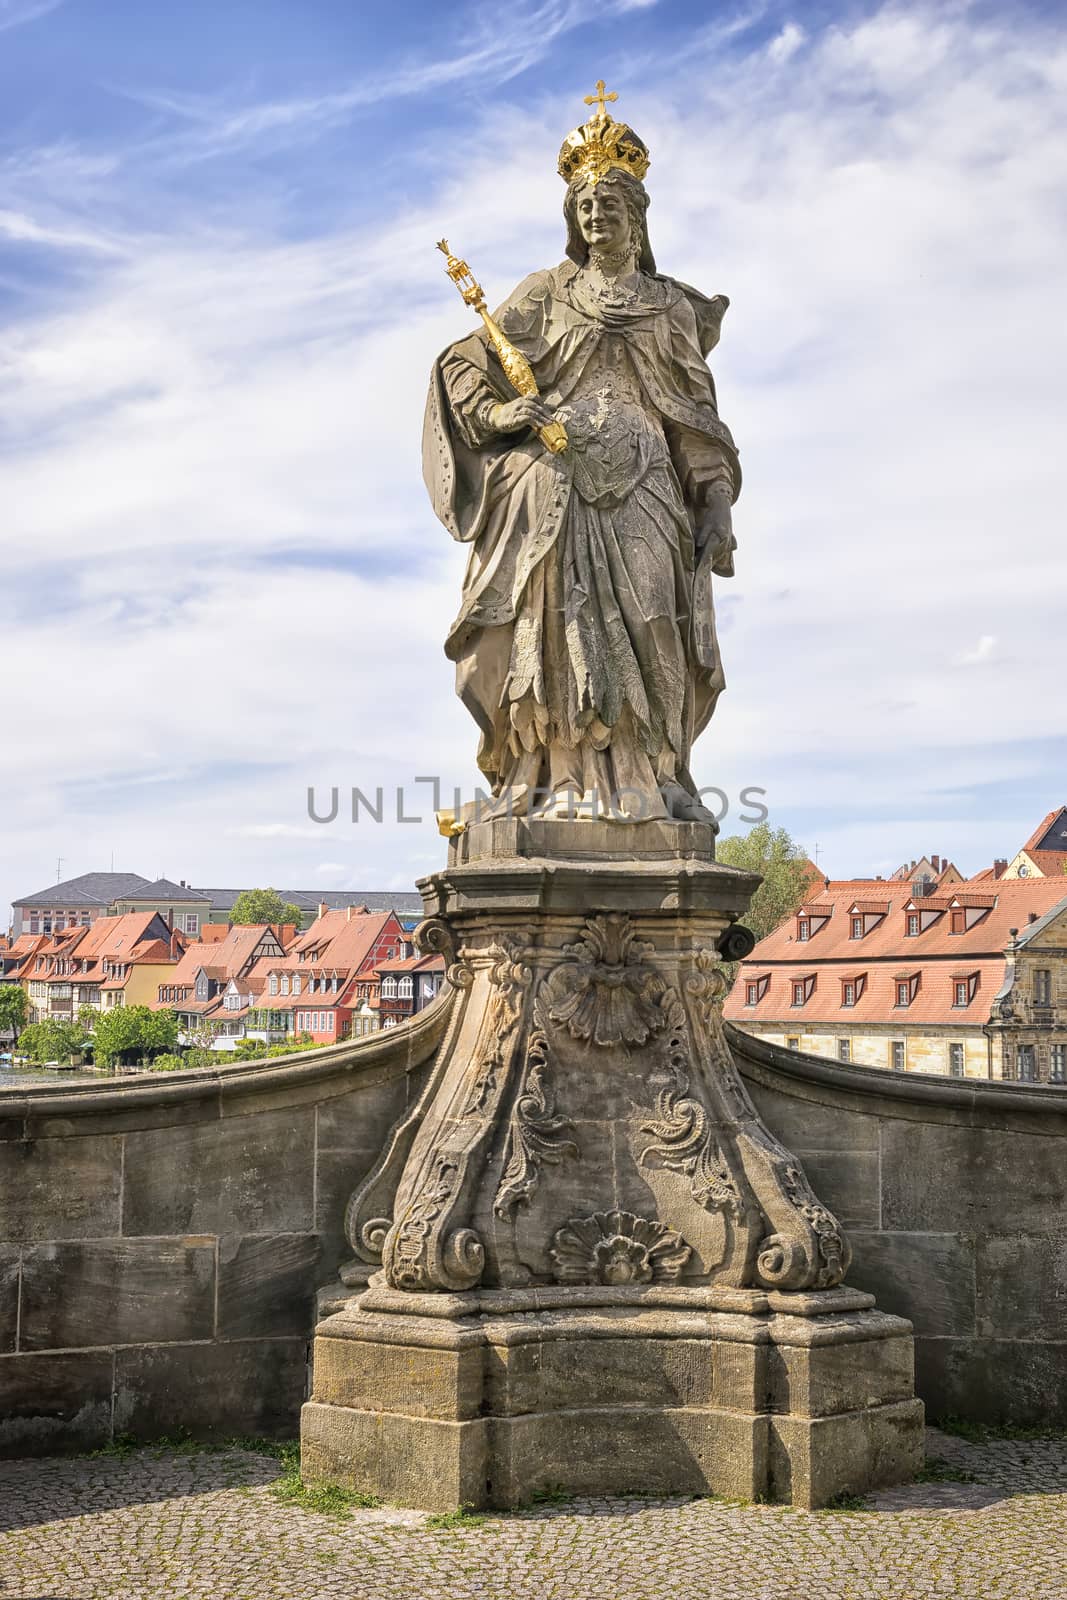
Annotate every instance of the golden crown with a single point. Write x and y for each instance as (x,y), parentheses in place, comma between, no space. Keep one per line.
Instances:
(600,144)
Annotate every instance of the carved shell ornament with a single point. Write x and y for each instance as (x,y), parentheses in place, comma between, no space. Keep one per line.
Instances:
(616,1248)
(604,990)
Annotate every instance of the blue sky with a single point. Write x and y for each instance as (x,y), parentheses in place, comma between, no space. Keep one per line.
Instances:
(218,305)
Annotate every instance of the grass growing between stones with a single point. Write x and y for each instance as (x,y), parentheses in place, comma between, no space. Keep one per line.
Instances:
(456,1521)
(328,1498)
(845,1502)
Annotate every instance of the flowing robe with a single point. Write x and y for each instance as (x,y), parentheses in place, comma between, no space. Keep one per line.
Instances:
(585,645)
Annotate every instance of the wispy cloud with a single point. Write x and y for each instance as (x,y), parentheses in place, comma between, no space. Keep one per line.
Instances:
(15,13)
(220,388)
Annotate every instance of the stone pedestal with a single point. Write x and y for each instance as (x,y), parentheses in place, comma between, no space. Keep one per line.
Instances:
(590,1263)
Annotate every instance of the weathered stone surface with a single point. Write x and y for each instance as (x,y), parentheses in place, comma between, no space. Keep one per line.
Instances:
(603,1400)
(927,1277)
(250,1387)
(553,1375)
(245,1174)
(999,1380)
(807,1125)
(54,1402)
(408,1459)
(1021,1286)
(814,1459)
(823,1380)
(422,1382)
(267,1285)
(625,1451)
(847,1182)
(337,1174)
(60,1188)
(117,1291)
(948,1179)
(361,1123)
(9,1296)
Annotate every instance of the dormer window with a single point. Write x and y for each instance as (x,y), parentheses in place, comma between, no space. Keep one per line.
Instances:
(296,983)
(864,915)
(913,924)
(964,988)
(906,985)
(285,983)
(756,988)
(852,988)
(968,911)
(803,989)
(273,983)
(812,917)
(857,927)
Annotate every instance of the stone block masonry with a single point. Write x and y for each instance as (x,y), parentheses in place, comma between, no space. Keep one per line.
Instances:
(108,1327)
(163,1242)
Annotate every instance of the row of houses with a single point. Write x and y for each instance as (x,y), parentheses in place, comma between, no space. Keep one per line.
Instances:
(926,971)
(353,971)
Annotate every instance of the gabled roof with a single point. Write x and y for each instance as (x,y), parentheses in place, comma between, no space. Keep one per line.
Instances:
(343,940)
(1039,839)
(221,958)
(90,889)
(164,890)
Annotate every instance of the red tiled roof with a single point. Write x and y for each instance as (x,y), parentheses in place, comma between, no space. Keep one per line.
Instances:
(934,1000)
(430,963)
(1042,828)
(344,941)
(871,908)
(1015,899)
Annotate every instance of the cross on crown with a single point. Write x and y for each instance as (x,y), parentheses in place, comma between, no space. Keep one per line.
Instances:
(599,98)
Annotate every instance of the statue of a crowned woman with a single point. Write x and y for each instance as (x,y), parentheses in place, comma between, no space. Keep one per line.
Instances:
(585,647)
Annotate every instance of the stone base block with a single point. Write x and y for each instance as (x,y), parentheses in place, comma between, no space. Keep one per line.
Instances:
(485,1410)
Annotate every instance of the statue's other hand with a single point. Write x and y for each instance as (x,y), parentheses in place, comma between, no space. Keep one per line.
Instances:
(528,411)
(715,532)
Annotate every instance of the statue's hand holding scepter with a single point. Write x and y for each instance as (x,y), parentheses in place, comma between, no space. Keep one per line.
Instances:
(516,367)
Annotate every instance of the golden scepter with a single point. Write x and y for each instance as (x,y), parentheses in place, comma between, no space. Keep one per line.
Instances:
(515,365)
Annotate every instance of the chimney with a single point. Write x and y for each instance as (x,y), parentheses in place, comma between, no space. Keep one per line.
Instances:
(935,862)
(349,913)
(1000,867)
(323,908)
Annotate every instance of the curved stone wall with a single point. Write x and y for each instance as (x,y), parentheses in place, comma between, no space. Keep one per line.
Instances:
(954,1195)
(161,1243)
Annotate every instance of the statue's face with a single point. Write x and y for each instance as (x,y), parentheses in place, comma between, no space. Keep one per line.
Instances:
(603,217)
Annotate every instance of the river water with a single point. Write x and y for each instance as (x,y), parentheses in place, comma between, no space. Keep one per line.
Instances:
(9,1076)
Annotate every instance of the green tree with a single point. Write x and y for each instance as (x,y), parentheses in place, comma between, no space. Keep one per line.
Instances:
(14,1009)
(134,1033)
(788,876)
(51,1040)
(264,905)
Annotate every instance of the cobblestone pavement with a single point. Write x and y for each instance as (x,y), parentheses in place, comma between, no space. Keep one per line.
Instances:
(159,1524)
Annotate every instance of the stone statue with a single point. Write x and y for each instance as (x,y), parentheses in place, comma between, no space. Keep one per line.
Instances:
(582,1256)
(585,646)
